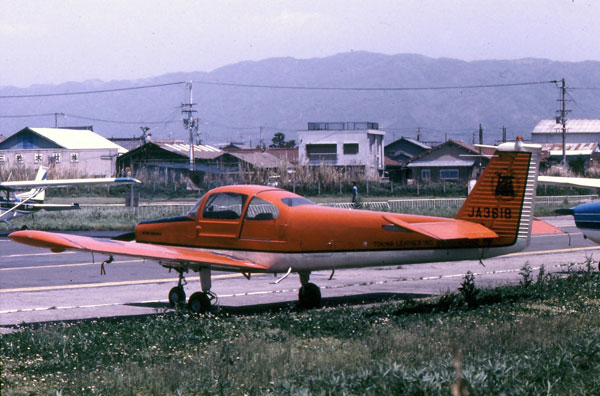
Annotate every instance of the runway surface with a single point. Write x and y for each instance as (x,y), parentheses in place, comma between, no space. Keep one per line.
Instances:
(37,285)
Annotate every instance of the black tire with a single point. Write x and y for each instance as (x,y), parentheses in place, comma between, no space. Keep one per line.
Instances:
(309,296)
(199,302)
(177,296)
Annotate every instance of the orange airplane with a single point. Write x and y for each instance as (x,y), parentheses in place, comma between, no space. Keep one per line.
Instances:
(261,229)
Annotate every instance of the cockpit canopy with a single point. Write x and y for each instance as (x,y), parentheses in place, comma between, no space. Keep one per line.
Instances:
(229,204)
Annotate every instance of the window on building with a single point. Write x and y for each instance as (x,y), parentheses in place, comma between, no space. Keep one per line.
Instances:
(448,174)
(350,148)
(19,158)
(425,174)
(2,158)
(321,153)
(56,158)
(74,157)
(38,158)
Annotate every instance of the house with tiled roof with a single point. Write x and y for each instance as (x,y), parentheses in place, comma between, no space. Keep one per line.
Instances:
(451,161)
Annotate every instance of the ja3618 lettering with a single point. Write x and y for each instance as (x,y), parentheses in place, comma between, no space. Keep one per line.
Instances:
(490,213)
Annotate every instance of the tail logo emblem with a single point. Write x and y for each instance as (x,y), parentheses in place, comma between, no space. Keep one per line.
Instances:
(504,187)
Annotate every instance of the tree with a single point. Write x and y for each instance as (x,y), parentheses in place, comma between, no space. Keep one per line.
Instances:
(279,141)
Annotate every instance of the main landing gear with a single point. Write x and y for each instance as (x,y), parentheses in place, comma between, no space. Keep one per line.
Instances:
(309,295)
(199,302)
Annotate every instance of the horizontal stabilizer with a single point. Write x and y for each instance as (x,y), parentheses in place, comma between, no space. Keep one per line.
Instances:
(541,227)
(445,230)
(569,181)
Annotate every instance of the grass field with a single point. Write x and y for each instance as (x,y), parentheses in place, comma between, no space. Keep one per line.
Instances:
(537,338)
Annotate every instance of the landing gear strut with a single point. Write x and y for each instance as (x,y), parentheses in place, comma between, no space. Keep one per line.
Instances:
(200,302)
(309,295)
(177,294)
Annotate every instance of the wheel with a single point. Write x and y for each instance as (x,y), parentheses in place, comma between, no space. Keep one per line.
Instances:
(176,296)
(309,296)
(199,302)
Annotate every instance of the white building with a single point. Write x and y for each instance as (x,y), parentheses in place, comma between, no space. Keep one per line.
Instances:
(343,144)
(76,152)
(578,131)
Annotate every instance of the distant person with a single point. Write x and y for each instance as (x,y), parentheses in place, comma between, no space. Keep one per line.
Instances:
(354,193)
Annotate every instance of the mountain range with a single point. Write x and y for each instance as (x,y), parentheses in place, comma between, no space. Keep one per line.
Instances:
(239,103)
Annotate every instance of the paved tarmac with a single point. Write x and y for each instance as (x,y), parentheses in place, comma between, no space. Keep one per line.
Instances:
(39,286)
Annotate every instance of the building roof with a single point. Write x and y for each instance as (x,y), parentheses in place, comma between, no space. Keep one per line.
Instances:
(201,151)
(442,163)
(573,126)
(555,149)
(76,139)
(410,140)
(258,159)
(475,151)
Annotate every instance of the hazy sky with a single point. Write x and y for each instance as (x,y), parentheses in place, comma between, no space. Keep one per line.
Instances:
(53,41)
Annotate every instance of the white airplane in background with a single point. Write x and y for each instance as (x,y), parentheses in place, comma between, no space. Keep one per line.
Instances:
(13,205)
(587,215)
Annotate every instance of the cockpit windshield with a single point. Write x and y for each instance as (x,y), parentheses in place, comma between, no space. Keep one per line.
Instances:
(194,211)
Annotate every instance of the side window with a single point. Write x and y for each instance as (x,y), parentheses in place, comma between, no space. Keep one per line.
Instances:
(226,206)
(259,209)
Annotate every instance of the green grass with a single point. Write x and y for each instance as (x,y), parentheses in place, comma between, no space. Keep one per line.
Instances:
(515,340)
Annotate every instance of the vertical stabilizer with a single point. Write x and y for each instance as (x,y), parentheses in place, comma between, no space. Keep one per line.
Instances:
(503,199)
(35,194)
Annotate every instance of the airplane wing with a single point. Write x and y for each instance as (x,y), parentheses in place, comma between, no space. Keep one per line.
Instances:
(569,181)
(193,257)
(23,185)
(56,207)
(451,229)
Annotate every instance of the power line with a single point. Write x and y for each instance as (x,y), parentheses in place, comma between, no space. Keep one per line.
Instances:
(374,88)
(27,115)
(119,121)
(90,92)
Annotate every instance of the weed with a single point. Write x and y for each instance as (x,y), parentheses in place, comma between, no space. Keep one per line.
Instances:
(468,289)
(526,275)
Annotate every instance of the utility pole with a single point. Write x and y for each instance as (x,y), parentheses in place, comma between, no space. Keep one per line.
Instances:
(418,134)
(480,134)
(56,118)
(261,142)
(562,119)
(189,122)
(503,134)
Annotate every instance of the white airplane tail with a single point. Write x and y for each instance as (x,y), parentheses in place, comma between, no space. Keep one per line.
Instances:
(36,195)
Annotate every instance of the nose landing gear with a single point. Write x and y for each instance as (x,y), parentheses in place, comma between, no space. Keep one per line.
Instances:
(177,294)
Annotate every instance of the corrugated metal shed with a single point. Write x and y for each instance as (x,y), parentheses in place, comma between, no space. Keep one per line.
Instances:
(573,126)
(77,139)
(555,149)
(439,164)
(258,159)
(201,151)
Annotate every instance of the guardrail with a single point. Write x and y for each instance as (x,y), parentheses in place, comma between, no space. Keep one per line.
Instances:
(416,203)
(399,204)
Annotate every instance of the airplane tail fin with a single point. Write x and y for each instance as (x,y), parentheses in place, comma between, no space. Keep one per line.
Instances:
(35,194)
(503,199)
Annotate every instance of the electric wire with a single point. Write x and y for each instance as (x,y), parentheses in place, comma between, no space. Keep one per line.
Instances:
(98,91)
(313,88)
